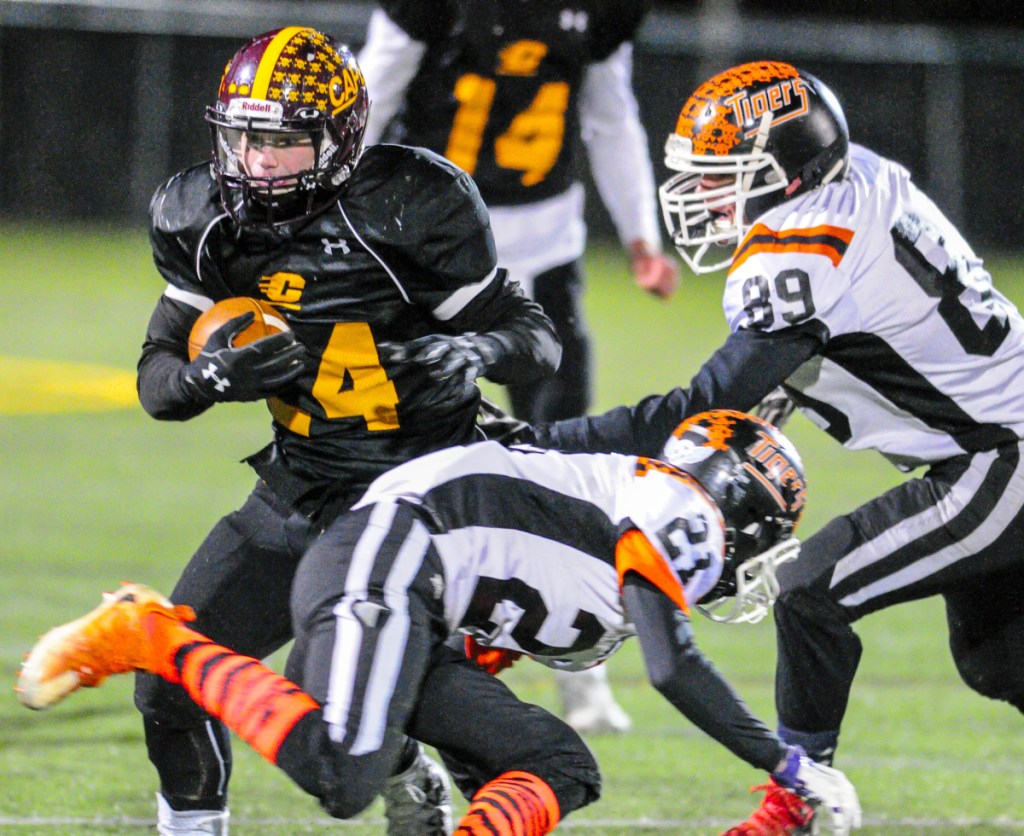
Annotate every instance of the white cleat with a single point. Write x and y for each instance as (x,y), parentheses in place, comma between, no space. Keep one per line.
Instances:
(588,704)
(170,822)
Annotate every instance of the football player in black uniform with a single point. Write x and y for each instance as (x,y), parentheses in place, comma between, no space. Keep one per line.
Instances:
(510,552)
(506,91)
(356,251)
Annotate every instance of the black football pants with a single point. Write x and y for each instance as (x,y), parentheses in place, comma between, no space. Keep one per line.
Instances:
(567,392)
(956,532)
(238,582)
(368,609)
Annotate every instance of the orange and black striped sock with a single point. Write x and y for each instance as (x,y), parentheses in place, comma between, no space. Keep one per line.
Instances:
(513,804)
(261,706)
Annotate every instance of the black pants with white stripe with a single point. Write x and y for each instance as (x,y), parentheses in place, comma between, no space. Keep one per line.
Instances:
(957,532)
(368,611)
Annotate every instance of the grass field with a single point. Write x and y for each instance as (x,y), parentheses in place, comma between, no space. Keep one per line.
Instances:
(94,492)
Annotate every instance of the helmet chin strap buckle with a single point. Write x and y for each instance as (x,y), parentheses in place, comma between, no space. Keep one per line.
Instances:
(757,587)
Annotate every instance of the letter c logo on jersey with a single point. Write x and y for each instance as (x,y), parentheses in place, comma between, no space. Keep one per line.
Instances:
(283,289)
(522,58)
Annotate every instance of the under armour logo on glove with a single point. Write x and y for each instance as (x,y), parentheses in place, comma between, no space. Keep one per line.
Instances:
(221,383)
(225,372)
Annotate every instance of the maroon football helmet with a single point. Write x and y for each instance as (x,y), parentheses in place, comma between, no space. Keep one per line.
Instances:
(287,88)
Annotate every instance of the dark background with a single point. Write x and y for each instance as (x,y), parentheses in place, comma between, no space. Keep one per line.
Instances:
(99,104)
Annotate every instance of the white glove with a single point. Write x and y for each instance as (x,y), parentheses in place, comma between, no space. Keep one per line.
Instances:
(776,407)
(829,787)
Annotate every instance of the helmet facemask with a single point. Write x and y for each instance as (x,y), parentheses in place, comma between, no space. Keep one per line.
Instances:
(706,224)
(755,477)
(287,90)
(749,593)
(776,131)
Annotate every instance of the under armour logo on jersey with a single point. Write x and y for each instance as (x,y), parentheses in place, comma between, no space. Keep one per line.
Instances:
(330,246)
(222,382)
(569,20)
(370,613)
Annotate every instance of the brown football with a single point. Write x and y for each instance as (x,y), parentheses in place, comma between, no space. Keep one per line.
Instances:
(266,322)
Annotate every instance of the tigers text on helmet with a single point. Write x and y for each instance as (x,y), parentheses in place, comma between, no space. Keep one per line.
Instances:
(747,140)
(755,476)
(293,90)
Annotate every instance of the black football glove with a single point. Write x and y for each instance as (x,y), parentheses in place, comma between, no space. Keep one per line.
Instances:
(224,372)
(775,407)
(498,425)
(453,362)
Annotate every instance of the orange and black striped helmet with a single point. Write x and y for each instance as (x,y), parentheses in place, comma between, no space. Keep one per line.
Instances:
(290,85)
(747,140)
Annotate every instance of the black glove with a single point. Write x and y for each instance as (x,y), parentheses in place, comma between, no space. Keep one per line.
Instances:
(223,372)
(498,425)
(453,362)
(775,407)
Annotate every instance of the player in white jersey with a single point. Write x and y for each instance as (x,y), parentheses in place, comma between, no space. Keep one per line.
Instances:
(851,289)
(517,551)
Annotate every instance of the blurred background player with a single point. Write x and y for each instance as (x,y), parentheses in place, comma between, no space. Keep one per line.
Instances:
(292,212)
(472,542)
(850,287)
(506,91)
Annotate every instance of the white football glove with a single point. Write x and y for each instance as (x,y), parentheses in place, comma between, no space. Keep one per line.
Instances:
(825,785)
(776,407)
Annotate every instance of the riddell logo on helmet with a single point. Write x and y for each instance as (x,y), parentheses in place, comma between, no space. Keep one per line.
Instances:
(786,99)
(255,109)
(776,468)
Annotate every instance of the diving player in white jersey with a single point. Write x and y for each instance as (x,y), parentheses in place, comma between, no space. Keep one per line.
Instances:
(849,287)
(561,557)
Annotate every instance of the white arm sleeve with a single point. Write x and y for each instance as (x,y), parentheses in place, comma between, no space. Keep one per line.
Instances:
(617,148)
(389,61)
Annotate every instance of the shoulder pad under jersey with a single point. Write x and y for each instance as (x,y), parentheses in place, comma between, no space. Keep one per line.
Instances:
(402,192)
(189,200)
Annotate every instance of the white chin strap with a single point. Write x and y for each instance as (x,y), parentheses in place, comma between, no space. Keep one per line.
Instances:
(757,587)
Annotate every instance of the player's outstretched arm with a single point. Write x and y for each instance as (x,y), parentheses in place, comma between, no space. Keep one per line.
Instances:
(685,677)
(738,375)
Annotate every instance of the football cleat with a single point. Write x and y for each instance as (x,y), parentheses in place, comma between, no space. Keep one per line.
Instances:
(418,802)
(82,653)
(782,813)
(171,822)
(588,703)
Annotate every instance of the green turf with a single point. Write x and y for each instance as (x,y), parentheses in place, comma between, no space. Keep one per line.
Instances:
(91,498)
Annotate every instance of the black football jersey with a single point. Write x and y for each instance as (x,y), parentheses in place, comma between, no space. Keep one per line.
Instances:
(404,252)
(497,89)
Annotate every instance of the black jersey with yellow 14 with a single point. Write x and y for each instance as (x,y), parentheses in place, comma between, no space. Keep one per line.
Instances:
(498,87)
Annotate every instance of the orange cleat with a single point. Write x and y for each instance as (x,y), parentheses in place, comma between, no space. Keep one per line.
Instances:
(111,639)
(782,813)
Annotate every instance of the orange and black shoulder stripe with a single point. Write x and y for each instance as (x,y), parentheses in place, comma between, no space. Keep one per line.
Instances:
(828,241)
